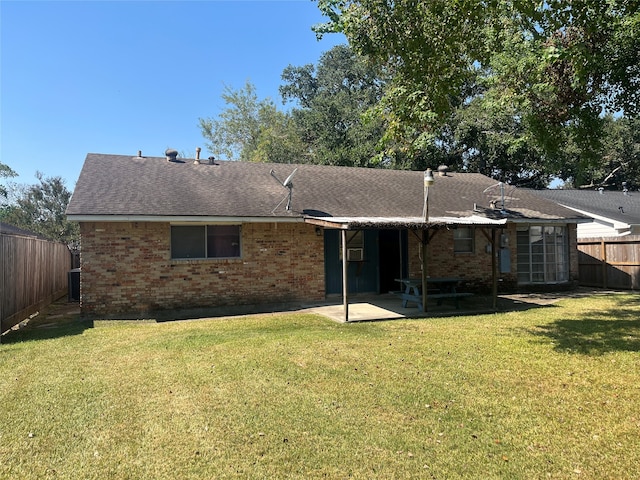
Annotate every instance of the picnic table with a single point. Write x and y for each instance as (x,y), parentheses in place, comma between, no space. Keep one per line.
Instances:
(438,288)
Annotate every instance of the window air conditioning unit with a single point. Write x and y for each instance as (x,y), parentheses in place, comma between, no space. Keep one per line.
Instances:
(354,254)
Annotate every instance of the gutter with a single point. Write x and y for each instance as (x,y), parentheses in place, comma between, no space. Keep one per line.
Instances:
(181,219)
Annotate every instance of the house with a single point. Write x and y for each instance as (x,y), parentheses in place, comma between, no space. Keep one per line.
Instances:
(609,245)
(8,229)
(614,213)
(169,233)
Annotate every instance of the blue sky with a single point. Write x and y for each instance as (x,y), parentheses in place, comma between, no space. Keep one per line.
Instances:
(119,76)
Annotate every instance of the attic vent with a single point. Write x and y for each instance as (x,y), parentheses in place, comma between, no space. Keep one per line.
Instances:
(442,170)
(172,155)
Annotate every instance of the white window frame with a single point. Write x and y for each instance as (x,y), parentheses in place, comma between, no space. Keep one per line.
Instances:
(545,257)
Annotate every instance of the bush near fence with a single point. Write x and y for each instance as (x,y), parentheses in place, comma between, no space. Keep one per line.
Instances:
(33,274)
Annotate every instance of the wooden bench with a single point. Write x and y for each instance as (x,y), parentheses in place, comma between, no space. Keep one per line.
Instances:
(455,295)
(440,297)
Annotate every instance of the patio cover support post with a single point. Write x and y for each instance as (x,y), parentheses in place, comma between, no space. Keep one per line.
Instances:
(345,284)
(494,269)
(425,242)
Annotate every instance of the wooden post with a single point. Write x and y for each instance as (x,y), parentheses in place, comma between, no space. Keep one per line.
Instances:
(345,283)
(425,241)
(401,274)
(494,269)
(603,255)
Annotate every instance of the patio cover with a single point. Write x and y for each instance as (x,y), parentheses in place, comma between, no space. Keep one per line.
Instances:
(416,223)
(413,223)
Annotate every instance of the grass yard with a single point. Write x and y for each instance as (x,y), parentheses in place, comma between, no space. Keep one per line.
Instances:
(552,392)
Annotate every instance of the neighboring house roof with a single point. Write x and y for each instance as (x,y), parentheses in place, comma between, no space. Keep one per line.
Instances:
(614,210)
(8,229)
(121,187)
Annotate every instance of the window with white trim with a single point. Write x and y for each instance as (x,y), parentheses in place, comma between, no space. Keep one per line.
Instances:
(543,254)
(205,241)
(463,240)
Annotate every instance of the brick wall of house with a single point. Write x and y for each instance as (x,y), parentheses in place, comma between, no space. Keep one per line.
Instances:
(127,268)
(475,267)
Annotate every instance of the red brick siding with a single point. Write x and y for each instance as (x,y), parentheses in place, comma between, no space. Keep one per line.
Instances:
(127,268)
(475,267)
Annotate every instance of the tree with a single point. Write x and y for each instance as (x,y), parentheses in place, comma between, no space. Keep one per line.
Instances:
(325,125)
(619,158)
(251,129)
(331,102)
(555,65)
(41,208)
(5,172)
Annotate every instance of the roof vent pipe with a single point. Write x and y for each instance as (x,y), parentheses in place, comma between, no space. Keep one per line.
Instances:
(197,160)
(601,190)
(172,155)
(442,170)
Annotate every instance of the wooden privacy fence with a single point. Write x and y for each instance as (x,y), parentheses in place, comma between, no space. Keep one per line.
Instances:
(612,262)
(33,274)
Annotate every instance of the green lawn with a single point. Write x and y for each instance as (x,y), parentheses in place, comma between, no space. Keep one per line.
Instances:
(552,392)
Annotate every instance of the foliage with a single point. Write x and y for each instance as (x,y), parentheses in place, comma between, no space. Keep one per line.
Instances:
(251,129)
(549,392)
(331,101)
(5,172)
(620,164)
(552,67)
(324,126)
(40,208)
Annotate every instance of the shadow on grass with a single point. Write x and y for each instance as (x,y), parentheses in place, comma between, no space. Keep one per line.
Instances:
(59,319)
(46,332)
(599,332)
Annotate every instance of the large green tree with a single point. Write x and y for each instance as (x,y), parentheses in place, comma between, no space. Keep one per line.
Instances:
(619,158)
(331,100)
(40,208)
(251,129)
(554,66)
(325,123)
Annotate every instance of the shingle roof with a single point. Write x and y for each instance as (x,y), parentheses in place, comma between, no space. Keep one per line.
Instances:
(614,205)
(8,229)
(128,186)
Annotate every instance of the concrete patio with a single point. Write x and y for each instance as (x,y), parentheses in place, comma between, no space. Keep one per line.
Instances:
(364,308)
(389,306)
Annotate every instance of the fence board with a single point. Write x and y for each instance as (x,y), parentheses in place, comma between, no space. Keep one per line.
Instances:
(33,274)
(610,262)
